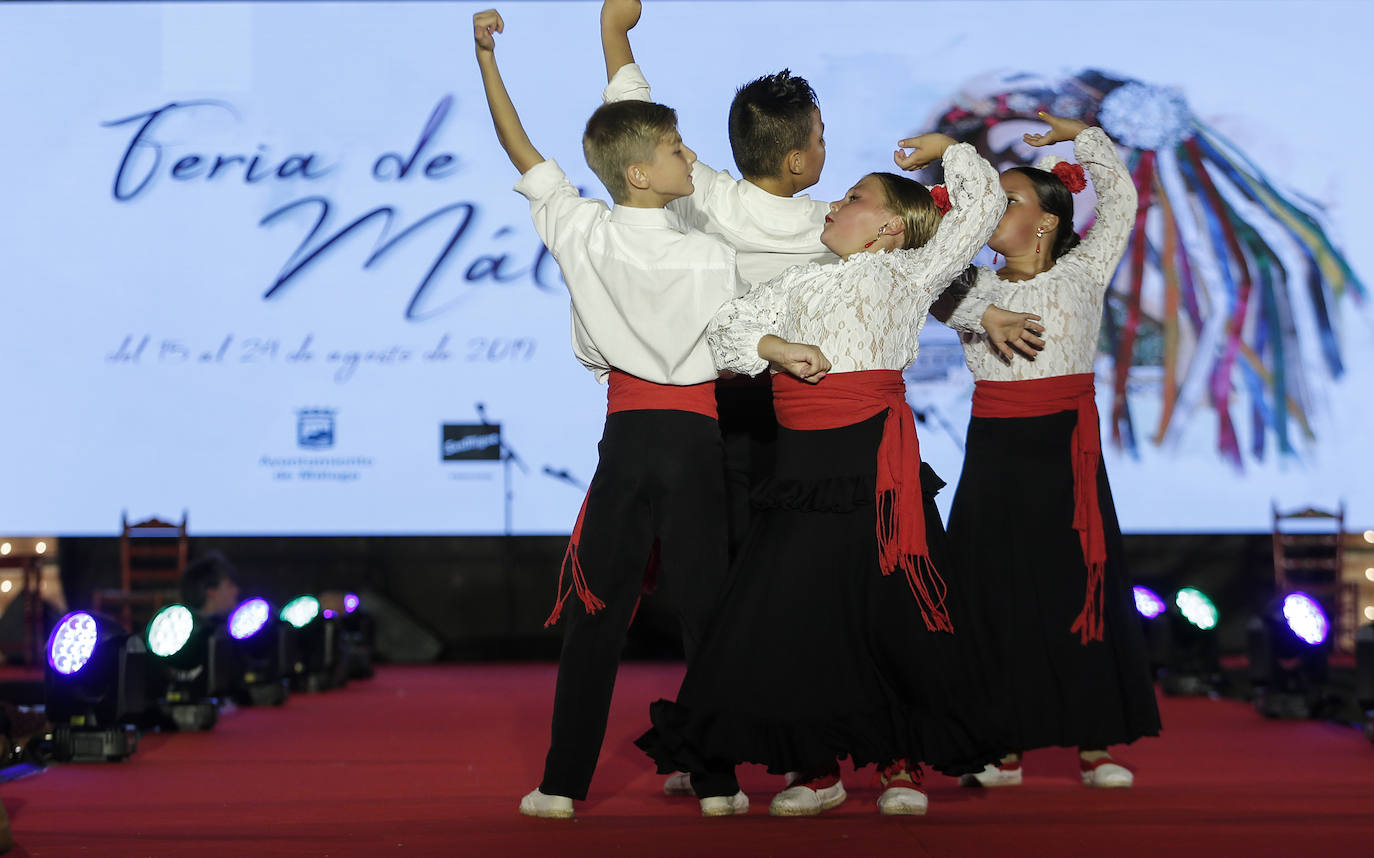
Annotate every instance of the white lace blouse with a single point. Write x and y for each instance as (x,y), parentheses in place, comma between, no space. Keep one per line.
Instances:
(1069,296)
(867,312)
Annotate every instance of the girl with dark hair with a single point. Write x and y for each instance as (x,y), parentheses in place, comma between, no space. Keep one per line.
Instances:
(1058,631)
(834,638)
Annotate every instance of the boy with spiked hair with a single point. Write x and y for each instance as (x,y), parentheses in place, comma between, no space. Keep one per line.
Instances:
(643,290)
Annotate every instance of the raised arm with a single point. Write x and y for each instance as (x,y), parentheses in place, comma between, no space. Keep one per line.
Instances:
(626,82)
(1102,247)
(618,18)
(509,131)
(976,205)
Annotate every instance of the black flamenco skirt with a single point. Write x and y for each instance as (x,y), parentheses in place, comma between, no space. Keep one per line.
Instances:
(1020,565)
(815,655)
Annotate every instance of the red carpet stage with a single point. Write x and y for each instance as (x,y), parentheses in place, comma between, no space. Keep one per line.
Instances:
(433,760)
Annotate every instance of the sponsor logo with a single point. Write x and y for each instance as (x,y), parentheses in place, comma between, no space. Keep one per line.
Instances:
(463,442)
(315,428)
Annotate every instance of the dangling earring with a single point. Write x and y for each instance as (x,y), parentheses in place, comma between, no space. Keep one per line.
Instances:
(882,230)
(1038,233)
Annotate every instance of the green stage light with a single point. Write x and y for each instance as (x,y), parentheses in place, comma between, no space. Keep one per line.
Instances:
(1197,608)
(170,630)
(300,611)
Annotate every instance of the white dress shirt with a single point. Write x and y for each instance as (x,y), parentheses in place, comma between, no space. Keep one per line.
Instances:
(770,233)
(643,287)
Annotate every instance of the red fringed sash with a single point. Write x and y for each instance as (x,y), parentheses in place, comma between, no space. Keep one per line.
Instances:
(1036,398)
(627,393)
(845,398)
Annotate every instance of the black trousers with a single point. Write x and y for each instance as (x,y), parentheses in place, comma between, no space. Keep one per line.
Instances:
(660,477)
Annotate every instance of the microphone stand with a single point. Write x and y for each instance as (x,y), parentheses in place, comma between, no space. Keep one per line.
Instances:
(508,456)
(563,476)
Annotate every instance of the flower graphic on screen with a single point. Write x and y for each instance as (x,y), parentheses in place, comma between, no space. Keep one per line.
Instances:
(1230,283)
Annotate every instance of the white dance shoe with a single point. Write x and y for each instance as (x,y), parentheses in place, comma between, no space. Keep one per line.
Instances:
(547,806)
(1105,773)
(804,800)
(725,805)
(678,783)
(1007,774)
(903,801)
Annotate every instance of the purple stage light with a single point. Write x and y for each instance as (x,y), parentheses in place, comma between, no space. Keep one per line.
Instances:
(249,618)
(1148,603)
(351,602)
(329,613)
(72,643)
(1305,617)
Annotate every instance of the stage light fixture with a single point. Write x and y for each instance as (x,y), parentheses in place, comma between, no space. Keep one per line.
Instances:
(1148,603)
(190,668)
(260,654)
(1305,618)
(249,618)
(300,611)
(1289,645)
(96,688)
(1197,608)
(319,664)
(1155,626)
(357,638)
(1182,641)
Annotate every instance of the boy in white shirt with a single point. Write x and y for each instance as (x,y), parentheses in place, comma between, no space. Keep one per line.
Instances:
(643,289)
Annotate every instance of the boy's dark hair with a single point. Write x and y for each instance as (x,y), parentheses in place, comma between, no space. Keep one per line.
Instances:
(202,575)
(1055,198)
(770,117)
(622,133)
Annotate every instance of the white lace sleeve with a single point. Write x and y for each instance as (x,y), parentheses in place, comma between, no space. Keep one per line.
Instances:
(976,205)
(734,333)
(1101,249)
(963,304)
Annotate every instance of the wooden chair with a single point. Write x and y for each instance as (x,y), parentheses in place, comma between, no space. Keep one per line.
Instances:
(1309,555)
(152,558)
(29,562)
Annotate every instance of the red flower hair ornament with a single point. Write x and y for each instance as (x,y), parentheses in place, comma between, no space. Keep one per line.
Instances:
(941,198)
(1071,175)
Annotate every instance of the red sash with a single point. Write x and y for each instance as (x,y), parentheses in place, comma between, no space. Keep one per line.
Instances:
(627,393)
(845,398)
(1036,398)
